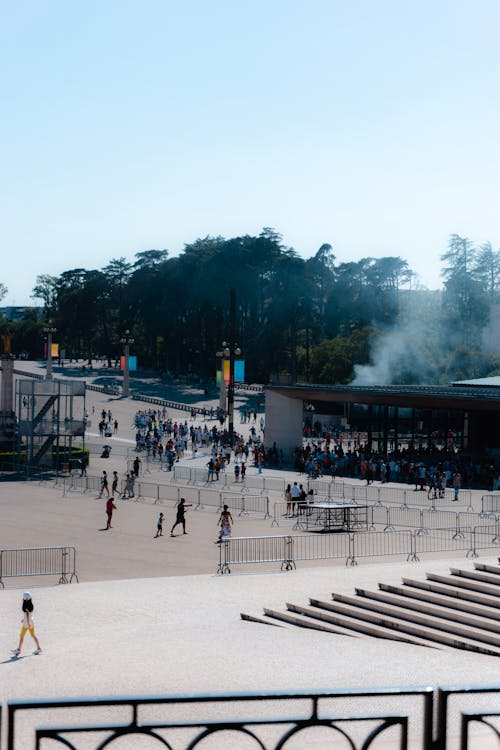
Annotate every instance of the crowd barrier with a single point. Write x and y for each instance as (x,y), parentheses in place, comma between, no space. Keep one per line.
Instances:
(38,561)
(381,493)
(199,497)
(490,504)
(331,489)
(287,550)
(421,520)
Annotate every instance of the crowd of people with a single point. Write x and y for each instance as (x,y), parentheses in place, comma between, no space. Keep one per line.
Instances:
(432,471)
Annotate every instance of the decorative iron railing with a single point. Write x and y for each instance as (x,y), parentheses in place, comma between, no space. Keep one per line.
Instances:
(400,717)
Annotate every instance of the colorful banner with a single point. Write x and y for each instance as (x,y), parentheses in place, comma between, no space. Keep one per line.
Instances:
(132,362)
(239,371)
(55,350)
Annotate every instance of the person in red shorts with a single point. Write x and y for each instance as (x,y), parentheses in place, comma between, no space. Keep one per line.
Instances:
(110,507)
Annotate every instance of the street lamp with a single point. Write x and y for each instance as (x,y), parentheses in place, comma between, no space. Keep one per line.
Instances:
(49,330)
(126,340)
(228,352)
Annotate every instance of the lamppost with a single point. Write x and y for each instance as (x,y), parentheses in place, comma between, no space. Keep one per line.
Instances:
(126,340)
(226,398)
(49,330)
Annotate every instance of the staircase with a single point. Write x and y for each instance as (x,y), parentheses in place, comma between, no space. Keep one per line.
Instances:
(459,611)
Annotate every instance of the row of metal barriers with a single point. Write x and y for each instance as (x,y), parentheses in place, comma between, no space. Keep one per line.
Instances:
(289,549)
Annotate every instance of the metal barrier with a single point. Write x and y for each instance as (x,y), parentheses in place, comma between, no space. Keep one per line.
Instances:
(484,537)
(38,561)
(288,549)
(490,504)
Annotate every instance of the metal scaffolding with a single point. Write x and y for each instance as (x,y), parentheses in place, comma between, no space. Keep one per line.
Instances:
(50,422)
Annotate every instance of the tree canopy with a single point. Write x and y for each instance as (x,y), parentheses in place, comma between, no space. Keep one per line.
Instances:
(312,320)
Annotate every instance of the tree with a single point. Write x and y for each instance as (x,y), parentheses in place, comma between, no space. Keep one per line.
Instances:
(3,291)
(459,257)
(465,305)
(46,290)
(486,268)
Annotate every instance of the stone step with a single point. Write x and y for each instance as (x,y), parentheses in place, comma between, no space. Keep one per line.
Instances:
(476,575)
(448,590)
(419,595)
(477,628)
(306,622)
(256,618)
(463,583)
(495,569)
(355,625)
(427,633)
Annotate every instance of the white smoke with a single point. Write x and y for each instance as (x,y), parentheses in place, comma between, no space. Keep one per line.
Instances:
(408,352)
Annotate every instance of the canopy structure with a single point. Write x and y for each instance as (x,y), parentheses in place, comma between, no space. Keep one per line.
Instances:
(461,417)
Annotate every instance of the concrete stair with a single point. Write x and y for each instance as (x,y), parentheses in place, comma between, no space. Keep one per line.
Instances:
(459,611)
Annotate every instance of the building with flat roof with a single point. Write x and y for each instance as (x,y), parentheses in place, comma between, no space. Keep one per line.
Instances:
(389,417)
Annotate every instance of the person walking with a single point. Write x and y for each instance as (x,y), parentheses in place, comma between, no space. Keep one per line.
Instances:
(83,464)
(110,507)
(159,525)
(456,483)
(126,489)
(114,483)
(27,624)
(104,484)
(225,522)
(181,518)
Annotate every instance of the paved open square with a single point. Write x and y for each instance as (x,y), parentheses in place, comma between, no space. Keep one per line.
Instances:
(150,615)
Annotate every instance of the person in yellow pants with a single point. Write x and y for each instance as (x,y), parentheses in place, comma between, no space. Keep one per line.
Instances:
(28,624)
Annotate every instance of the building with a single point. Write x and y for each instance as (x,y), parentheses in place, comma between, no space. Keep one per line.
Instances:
(462,416)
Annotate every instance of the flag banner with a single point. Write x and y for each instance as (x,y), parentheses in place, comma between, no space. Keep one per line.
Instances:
(239,371)
(132,362)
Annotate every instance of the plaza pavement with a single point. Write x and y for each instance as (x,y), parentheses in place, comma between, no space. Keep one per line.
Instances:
(151,615)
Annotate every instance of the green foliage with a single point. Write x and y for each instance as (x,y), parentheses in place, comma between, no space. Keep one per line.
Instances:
(313,319)
(333,361)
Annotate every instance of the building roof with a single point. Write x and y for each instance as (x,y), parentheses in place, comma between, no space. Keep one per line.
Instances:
(477,398)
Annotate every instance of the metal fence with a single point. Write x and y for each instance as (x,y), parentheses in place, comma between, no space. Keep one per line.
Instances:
(390,518)
(38,561)
(286,550)
(490,504)
(381,493)
(200,497)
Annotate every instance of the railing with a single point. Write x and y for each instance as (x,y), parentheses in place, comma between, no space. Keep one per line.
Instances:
(397,716)
(286,550)
(490,504)
(390,518)
(241,503)
(381,493)
(38,561)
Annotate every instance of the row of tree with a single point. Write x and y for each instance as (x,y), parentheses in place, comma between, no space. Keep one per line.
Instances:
(309,320)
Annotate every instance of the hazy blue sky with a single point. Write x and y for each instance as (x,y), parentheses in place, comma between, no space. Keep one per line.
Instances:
(126,126)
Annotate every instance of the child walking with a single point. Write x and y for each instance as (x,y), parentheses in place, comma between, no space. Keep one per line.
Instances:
(159,525)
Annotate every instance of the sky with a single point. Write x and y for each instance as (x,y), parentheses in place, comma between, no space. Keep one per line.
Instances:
(129,126)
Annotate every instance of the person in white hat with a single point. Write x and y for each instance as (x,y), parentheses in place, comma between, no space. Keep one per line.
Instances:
(27,624)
